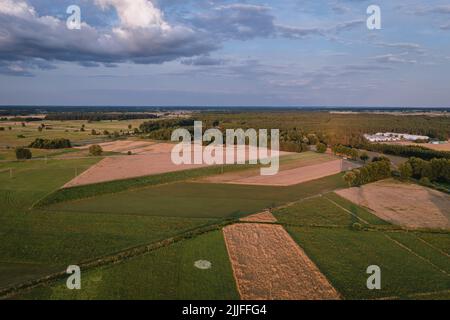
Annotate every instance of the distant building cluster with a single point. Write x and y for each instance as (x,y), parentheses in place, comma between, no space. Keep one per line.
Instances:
(391,136)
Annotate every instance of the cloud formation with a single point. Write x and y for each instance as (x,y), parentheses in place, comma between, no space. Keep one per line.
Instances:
(143,36)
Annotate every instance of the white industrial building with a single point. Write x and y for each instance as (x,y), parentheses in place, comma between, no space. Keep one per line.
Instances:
(392,136)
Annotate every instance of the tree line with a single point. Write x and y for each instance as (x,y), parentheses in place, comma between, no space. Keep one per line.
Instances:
(98,116)
(50,143)
(435,170)
(407,151)
(371,172)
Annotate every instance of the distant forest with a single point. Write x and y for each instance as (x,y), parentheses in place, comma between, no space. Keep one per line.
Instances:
(98,116)
(331,128)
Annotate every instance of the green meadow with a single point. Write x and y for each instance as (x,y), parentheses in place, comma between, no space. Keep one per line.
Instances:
(343,255)
(37,242)
(412,263)
(166,273)
(199,200)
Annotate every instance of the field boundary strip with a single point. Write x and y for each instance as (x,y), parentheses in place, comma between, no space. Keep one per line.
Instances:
(414,295)
(113,259)
(416,254)
(347,211)
(432,246)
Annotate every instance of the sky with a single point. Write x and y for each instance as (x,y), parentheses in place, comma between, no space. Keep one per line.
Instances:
(225,53)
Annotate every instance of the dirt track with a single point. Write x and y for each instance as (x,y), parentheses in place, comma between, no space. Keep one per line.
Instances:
(405,204)
(269,265)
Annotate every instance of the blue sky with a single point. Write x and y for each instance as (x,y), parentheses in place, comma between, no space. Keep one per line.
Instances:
(225,53)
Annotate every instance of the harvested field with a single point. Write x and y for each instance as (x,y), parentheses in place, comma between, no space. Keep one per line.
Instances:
(268,264)
(405,204)
(265,216)
(153,159)
(287,177)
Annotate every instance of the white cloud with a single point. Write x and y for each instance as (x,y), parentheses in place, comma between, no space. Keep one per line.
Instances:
(136,13)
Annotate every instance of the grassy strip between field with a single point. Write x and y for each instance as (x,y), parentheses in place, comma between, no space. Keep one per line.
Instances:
(113,258)
(97,189)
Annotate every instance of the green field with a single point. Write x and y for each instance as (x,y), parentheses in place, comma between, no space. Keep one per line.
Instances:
(41,241)
(343,256)
(20,136)
(411,262)
(82,224)
(166,273)
(191,199)
(325,210)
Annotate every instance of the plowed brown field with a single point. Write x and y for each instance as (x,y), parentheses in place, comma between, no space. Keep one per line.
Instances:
(405,204)
(268,264)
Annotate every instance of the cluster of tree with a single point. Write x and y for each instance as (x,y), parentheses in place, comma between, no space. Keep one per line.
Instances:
(290,146)
(435,170)
(371,172)
(407,151)
(345,151)
(23,154)
(98,116)
(95,150)
(50,144)
(162,130)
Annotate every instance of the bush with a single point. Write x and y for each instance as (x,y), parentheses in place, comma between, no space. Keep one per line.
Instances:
(2,129)
(23,154)
(364,157)
(406,171)
(425,181)
(357,226)
(129,153)
(381,158)
(95,150)
(345,151)
(321,148)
